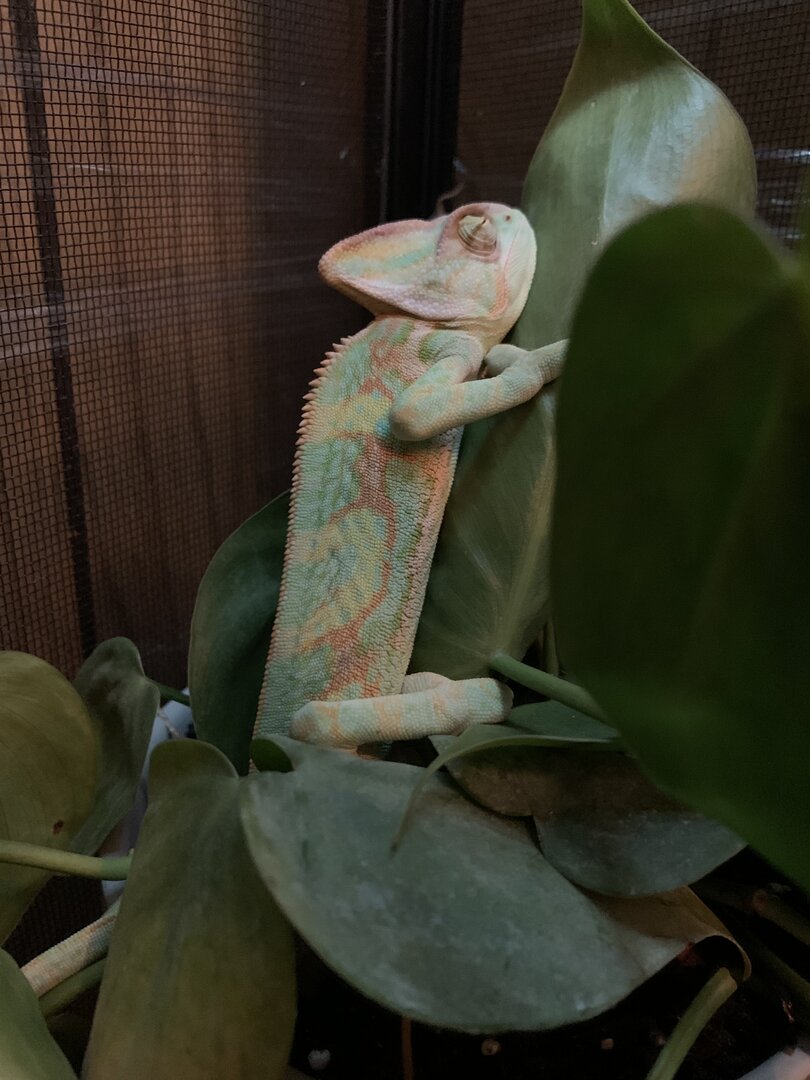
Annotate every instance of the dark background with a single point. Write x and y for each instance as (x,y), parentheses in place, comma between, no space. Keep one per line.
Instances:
(171,173)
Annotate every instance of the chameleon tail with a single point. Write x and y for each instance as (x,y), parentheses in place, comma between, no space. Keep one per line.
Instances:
(430,705)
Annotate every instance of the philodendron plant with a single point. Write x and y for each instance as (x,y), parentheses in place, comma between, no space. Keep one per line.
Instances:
(543,872)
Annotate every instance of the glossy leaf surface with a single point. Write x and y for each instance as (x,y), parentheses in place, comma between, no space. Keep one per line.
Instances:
(27,1049)
(199,983)
(122,704)
(466,900)
(48,769)
(230,631)
(681,570)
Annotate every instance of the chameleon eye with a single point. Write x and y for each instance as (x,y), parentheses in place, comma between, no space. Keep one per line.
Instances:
(478,234)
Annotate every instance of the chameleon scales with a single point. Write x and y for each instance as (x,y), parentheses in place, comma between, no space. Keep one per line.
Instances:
(377,450)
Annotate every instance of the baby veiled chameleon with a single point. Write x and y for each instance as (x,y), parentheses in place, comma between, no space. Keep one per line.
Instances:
(376,454)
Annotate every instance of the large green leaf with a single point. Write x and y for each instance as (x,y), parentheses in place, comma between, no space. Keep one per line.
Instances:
(49,757)
(465,901)
(122,703)
(27,1049)
(200,979)
(636,127)
(489,584)
(682,530)
(230,630)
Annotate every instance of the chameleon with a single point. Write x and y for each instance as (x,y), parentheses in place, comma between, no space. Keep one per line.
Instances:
(374,463)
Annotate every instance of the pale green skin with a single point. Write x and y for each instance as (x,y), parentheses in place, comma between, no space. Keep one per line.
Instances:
(375,460)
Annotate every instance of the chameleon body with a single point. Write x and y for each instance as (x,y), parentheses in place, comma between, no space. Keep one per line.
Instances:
(377,449)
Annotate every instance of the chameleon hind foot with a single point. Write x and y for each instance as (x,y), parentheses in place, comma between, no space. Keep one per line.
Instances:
(430,704)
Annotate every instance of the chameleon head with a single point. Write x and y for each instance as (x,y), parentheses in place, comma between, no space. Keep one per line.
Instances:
(470,270)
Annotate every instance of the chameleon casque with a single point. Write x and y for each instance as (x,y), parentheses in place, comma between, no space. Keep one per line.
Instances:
(377,449)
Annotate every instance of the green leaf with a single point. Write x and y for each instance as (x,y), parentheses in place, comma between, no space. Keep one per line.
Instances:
(599,820)
(230,630)
(48,767)
(636,128)
(200,976)
(489,584)
(27,1050)
(681,570)
(122,703)
(555,718)
(267,756)
(466,901)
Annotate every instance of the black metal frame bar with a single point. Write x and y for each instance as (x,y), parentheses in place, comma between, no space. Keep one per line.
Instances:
(412,85)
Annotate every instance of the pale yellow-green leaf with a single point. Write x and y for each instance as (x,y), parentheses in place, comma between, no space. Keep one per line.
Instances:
(49,757)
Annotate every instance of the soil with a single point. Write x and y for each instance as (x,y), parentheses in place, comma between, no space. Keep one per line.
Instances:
(354,1039)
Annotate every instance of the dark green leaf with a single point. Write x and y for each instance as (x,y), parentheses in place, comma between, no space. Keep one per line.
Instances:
(268,756)
(466,901)
(554,718)
(199,980)
(122,703)
(27,1050)
(682,578)
(49,756)
(230,631)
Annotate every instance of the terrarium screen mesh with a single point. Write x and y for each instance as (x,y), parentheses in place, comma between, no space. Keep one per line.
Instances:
(516,55)
(170,174)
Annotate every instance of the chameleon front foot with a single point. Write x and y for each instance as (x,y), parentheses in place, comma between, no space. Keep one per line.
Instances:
(430,705)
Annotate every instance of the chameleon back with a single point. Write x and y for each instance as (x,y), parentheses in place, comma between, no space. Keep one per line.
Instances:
(364,519)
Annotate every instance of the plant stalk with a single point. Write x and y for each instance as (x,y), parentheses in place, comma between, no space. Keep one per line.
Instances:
(74,986)
(715,993)
(64,862)
(757,901)
(550,685)
(167,693)
(790,981)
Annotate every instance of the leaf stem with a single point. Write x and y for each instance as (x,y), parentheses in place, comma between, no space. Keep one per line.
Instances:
(167,693)
(758,901)
(61,996)
(64,862)
(544,683)
(789,980)
(715,993)
(551,660)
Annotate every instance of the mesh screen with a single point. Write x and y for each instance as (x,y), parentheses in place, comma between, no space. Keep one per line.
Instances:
(170,174)
(757,51)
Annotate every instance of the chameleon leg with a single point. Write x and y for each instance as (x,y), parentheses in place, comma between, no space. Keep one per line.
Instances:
(429,705)
(436,402)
